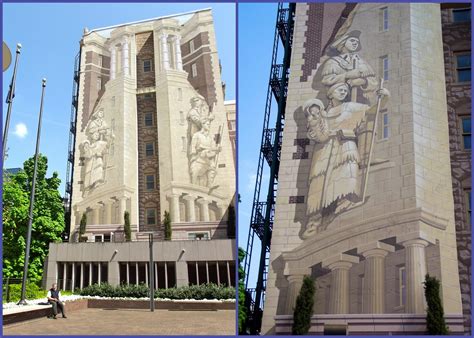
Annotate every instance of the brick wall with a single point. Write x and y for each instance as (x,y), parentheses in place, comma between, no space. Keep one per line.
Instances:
(146,103)
(145,51)
(457,38)
(92,95)
(203,82)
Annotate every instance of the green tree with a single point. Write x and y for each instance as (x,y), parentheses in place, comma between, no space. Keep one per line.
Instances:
(304,307)
(82,228)
(126,227)
(48,218)
(435,322)
(231,221)
(167,225)
(242,307)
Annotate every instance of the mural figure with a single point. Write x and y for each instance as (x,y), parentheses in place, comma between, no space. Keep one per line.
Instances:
(345,65)
(334,178)
(198,112)
(203,153)
(94,150)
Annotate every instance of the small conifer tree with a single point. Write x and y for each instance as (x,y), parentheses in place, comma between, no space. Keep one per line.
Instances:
(304,307)
(82,228)
(435,322)
(167,224)
(126,227)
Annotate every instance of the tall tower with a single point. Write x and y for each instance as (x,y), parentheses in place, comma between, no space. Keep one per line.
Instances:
(364,204)
(152,133)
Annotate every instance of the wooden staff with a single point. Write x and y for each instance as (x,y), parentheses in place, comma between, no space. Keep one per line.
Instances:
(218,141)
(366,179)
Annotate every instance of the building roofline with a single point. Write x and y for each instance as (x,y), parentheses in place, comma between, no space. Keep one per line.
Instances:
(146,20)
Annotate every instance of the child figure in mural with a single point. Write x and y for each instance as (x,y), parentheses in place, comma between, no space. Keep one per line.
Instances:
(94,150)
(203,152)
(334,178)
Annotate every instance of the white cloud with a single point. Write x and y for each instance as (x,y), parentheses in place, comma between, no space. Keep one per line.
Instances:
(20,130)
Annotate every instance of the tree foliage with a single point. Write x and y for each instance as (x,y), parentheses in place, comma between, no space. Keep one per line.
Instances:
(242,307)
(435,322)
(304,307)
(126,227)
(167,225)
(48,218)
(83,224)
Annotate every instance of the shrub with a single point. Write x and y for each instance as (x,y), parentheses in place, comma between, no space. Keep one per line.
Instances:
(82,226)
(126,226)
(33,291)
(304,308)
(435,322)
(199,292)
(167,224)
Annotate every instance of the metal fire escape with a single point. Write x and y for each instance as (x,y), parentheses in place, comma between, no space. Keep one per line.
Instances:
(261,221)
(71,148)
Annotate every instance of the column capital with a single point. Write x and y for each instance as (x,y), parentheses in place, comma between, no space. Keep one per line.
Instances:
(418,235)
(376,249)
(189,198)
(164,36)
(340,261)
(202,200)
(415,242)
(295,278)
(176,38)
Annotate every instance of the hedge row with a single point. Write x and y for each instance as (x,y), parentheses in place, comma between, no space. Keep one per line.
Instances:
(198,292)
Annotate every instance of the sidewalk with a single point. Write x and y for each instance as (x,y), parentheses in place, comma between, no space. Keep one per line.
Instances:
(130,322)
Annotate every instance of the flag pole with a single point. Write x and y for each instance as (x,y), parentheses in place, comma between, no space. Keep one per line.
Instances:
(32,201)
(11,95)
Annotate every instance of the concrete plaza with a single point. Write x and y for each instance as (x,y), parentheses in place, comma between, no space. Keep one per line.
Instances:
(92,321)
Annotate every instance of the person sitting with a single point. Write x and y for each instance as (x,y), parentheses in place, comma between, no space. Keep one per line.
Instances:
(53,298)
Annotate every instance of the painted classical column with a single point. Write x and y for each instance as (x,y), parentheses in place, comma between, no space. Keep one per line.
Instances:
(122,208)
(204,206)
(222,211)
(164,51)
(96,215)
(294,287)
(174,208)
(374,286)
(339,292)
(113,61)
(415,267)
(191,213)
(108,211)
(125,65)
(177,52)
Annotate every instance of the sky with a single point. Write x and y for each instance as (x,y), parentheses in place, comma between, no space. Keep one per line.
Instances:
(50,35)
(255,44)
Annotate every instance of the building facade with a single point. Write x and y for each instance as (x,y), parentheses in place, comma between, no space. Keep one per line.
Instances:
(151,137)
(376,127)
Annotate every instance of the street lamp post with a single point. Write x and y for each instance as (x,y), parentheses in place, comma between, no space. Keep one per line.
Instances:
(11,95)
(32,201)
(151,274)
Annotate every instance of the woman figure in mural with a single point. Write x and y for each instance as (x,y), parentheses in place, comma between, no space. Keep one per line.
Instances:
(345,65)
(334,178)
(94,149)
(203,153)
(198,112)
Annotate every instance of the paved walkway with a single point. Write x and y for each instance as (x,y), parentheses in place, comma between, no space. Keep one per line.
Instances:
(130,322)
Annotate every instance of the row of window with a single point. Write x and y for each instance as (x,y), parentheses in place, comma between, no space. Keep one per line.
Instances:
(147,66)
(458,15)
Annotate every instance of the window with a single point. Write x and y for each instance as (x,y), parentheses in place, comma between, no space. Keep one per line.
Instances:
(191,46)
(149,149)
(402,285)
(193,70)
(467,202)
(466,132)
(101,61)
(231,125)
(147,65)
(384,125)
(462,15)
(98,238)
(463,67)
(383,19)
(150,216)
(197,236)
(99,83)
(148,119)
(384,67)
(150,182)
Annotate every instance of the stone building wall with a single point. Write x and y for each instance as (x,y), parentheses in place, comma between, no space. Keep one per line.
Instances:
(457,38)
